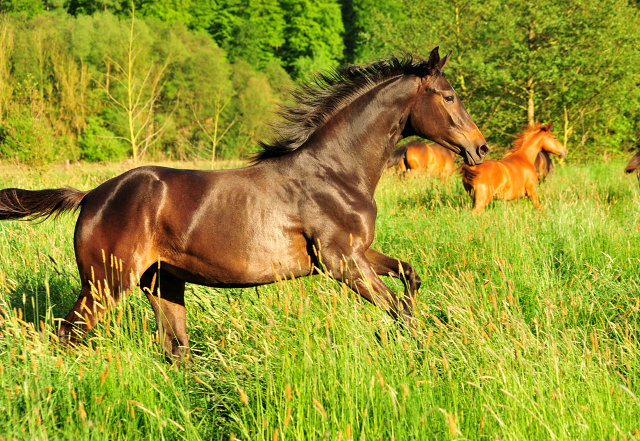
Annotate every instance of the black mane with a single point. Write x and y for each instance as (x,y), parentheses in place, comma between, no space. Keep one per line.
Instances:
(317,100)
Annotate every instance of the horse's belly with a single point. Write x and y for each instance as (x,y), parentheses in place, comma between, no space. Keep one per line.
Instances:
(243,256)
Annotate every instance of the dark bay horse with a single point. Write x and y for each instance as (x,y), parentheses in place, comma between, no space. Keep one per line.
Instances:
(543,165)
(514,176)
(634,165)
(432,159)
(305,205)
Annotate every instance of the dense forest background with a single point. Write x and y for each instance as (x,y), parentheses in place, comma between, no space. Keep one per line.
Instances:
(97,80)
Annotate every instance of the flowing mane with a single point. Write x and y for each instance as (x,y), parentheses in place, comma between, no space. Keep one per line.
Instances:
(517,144)
(317,100)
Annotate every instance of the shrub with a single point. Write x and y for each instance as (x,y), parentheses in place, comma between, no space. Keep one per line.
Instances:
(26,136)
(97,143)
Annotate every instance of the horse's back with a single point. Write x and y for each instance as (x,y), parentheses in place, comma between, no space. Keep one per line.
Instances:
(443,163)
(433,158)
(123,212)
(219,228)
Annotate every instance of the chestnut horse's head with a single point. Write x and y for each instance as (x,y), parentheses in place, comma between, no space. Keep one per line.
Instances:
(437,114)
(550,143)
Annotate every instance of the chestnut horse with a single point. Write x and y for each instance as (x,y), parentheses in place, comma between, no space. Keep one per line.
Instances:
(514,176)
(305,205)
(434,159)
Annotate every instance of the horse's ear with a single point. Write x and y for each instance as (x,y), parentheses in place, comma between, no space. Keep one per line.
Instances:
(434,59)
(549,126)
(443,61)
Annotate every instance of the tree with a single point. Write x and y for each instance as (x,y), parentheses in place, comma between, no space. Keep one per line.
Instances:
(520,62)
(141,89)
(313,36)
(6,79)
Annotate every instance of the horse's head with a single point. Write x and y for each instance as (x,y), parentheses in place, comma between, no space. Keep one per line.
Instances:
(550,143)
(437,114)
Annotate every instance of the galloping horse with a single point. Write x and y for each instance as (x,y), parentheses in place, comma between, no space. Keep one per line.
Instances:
(514,176)
(305,205)
(434,159)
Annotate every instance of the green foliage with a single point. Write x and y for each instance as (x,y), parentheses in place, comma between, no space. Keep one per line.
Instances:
(573,63)
(313,35)
(26,135)
(26,7)
(97,143)
(76,67)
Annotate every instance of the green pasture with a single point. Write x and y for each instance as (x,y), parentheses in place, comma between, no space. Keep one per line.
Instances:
(526,327)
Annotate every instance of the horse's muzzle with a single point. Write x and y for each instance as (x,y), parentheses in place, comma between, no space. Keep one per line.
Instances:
(475,157)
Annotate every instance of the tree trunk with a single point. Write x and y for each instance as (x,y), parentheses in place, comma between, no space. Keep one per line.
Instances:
(530,103)
(531,83)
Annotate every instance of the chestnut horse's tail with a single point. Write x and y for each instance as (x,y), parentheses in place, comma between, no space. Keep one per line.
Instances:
(16,203)
(397,156)
(634,163)
(468,175)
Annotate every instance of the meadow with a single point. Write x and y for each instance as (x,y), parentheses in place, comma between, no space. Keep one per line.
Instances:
(527,327)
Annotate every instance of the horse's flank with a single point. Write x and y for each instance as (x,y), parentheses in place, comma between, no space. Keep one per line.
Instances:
(432,159)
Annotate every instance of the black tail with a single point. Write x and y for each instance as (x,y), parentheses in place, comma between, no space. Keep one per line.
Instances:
(468,175)
(397,156)
(634,163)
(16,203)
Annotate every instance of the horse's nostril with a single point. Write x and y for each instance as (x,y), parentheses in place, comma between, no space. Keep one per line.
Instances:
(483,149)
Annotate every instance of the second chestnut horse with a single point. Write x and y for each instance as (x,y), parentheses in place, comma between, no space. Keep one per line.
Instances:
(433,159)
(514,176)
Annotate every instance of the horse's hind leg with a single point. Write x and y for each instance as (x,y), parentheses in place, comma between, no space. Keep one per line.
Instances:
(388,266)
(102,286)
(166,295)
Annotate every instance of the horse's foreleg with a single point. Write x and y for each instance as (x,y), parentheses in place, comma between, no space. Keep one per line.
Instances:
(166,295)
(533,195)
(357,272)
(388,266)
(482,196)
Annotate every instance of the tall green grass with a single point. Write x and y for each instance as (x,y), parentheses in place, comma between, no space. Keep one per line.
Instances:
(526,328)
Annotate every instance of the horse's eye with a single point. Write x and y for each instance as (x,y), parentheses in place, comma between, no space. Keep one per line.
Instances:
(449,98)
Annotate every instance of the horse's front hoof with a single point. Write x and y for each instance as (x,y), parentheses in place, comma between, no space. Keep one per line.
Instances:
(66,335)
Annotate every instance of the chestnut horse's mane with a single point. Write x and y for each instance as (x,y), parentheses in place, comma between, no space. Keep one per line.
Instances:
(317,100)
(530,130)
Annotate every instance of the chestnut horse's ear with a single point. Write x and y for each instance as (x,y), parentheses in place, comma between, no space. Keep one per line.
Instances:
(443,61)
(434,59)
(549,126)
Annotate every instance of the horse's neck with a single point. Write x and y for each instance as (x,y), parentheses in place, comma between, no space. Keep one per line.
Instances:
(359,138)
(530,149)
